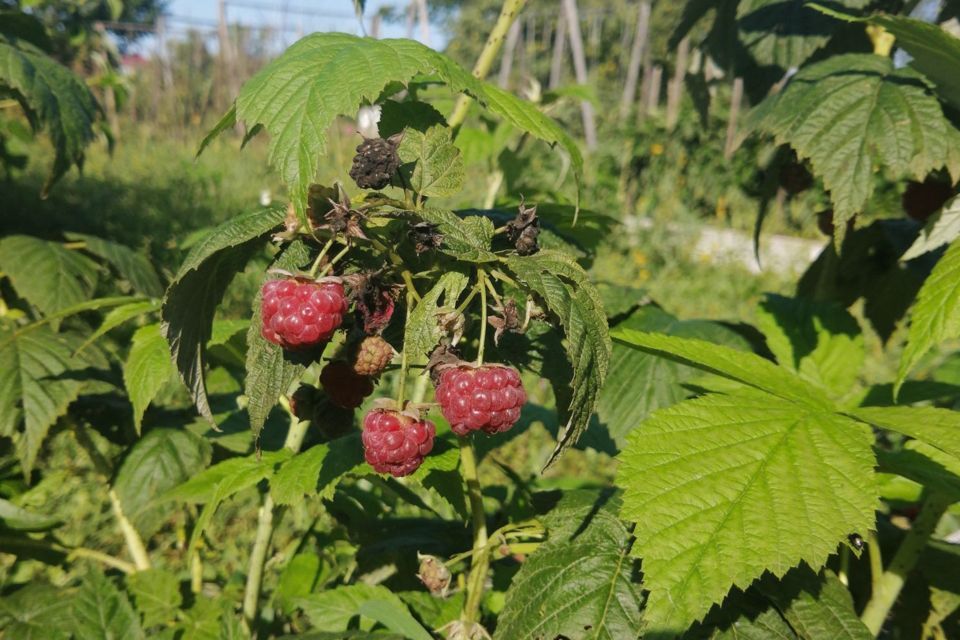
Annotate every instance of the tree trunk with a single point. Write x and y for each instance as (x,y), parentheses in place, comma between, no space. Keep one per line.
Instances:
(580,69)
(675,90)
(636,58)
(559,42)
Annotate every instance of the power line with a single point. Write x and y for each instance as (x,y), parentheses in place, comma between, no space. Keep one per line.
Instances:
(283,9)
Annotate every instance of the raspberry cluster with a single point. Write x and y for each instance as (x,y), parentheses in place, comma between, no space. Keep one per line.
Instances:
(344,386)
(396,443)
(486,398)
(372,356)
(300,314)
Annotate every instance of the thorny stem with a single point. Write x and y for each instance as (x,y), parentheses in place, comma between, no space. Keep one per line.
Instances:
(887,589)
(265,522)
(481,557)
(481,280)
(323,252)
(134,542)
(508,13)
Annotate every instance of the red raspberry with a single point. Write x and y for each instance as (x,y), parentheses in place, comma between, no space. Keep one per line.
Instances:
(372,356)
(487,398)
(300,315)
(345,388)
(396,443)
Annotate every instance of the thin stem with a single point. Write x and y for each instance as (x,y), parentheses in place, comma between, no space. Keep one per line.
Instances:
(265,524)
(876,561)
(481,280)
(888,589)
(463,305)
(493,291)
(196,571)
(333,261)
(844,566)
(408,280)
(481,556)
(508,13)
(134,542)
(323,252)
(403,360)
(99,556)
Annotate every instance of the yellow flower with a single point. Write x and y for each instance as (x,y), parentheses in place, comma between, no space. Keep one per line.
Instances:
(656,149)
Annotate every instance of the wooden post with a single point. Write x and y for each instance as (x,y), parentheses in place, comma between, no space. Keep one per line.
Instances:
(636,58)
(656,79)
(411,10)
(675,88)
(375,21)
(736,97)
(506,62)
(645,86)
(580,69)
(424,22)
(556,64)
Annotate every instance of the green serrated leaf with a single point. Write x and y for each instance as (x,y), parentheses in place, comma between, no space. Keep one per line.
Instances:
(393,614)
(100,610)
(438,169)
(316,471)
(579,583)
(465,241)
(37,611)
(147,370)
(819,341)
(47,274)
(270,371)
(785,33)
(158,462)
(300,94)
(118,316)
(816,606)
(133,266)
(33,390)
(939,428)
(228,477)
(193,296)
(297,580)
(942,228)
(422,331)
(409,114)
(332,610)
(19,519)
(936,314)
(852,113)
(54,99)
(17,25)
(746,368)
(156,593)
(564,287)
(638,383)
(725,487)
(925,465)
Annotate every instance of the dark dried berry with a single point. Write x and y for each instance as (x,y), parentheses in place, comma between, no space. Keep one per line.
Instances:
(425,237)
(795,178)
(344,387)
(524,229)
(922,199)
(375,164)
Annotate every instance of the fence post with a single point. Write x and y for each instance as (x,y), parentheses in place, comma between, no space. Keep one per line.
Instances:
(580,69)
(736,97)
(636,58)
(559,42)
(675,89)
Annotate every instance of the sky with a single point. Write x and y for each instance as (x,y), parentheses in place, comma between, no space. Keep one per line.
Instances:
(292,17)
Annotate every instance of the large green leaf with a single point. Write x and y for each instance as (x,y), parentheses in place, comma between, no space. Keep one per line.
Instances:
(466,239)
(570,296)
(299,95)
(270,370)
(579,583)
(158,462)
(100,611)
(147,370)
(747,368)
(438,169)
(942,228)
(784,33)
(725,487)
(47,274)
(33,388)
(131,265)
(936,314)
(118,316)
(422,331)
(316,471)
(20,519)
(821,342)
(638,383)
(815,606)
(332,610)
(195,292)
(924,464)
(37,611)
(156,593)
(940,428)
(54,99)
(851,114)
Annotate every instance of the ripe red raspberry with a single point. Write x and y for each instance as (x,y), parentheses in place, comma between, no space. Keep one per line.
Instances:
(488,398)
(372,356)
(345,388)
(394,442)
(299,315)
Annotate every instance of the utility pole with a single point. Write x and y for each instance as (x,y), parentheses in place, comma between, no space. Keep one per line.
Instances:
(580,69)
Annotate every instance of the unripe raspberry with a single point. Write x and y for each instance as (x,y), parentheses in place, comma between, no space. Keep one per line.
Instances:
(394,442)
(343,386)
(298,315)
(372,356)
(486,398)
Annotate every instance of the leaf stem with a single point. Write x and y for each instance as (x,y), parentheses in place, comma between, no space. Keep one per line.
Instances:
(134,542)
(334,260)
(481,555)
(481,280)
(110,561)
(508,13)
(265,525)
(886,591)
(323,252)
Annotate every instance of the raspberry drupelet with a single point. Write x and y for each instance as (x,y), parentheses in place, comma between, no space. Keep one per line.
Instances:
(299,314)
(486,398)
(396,443)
